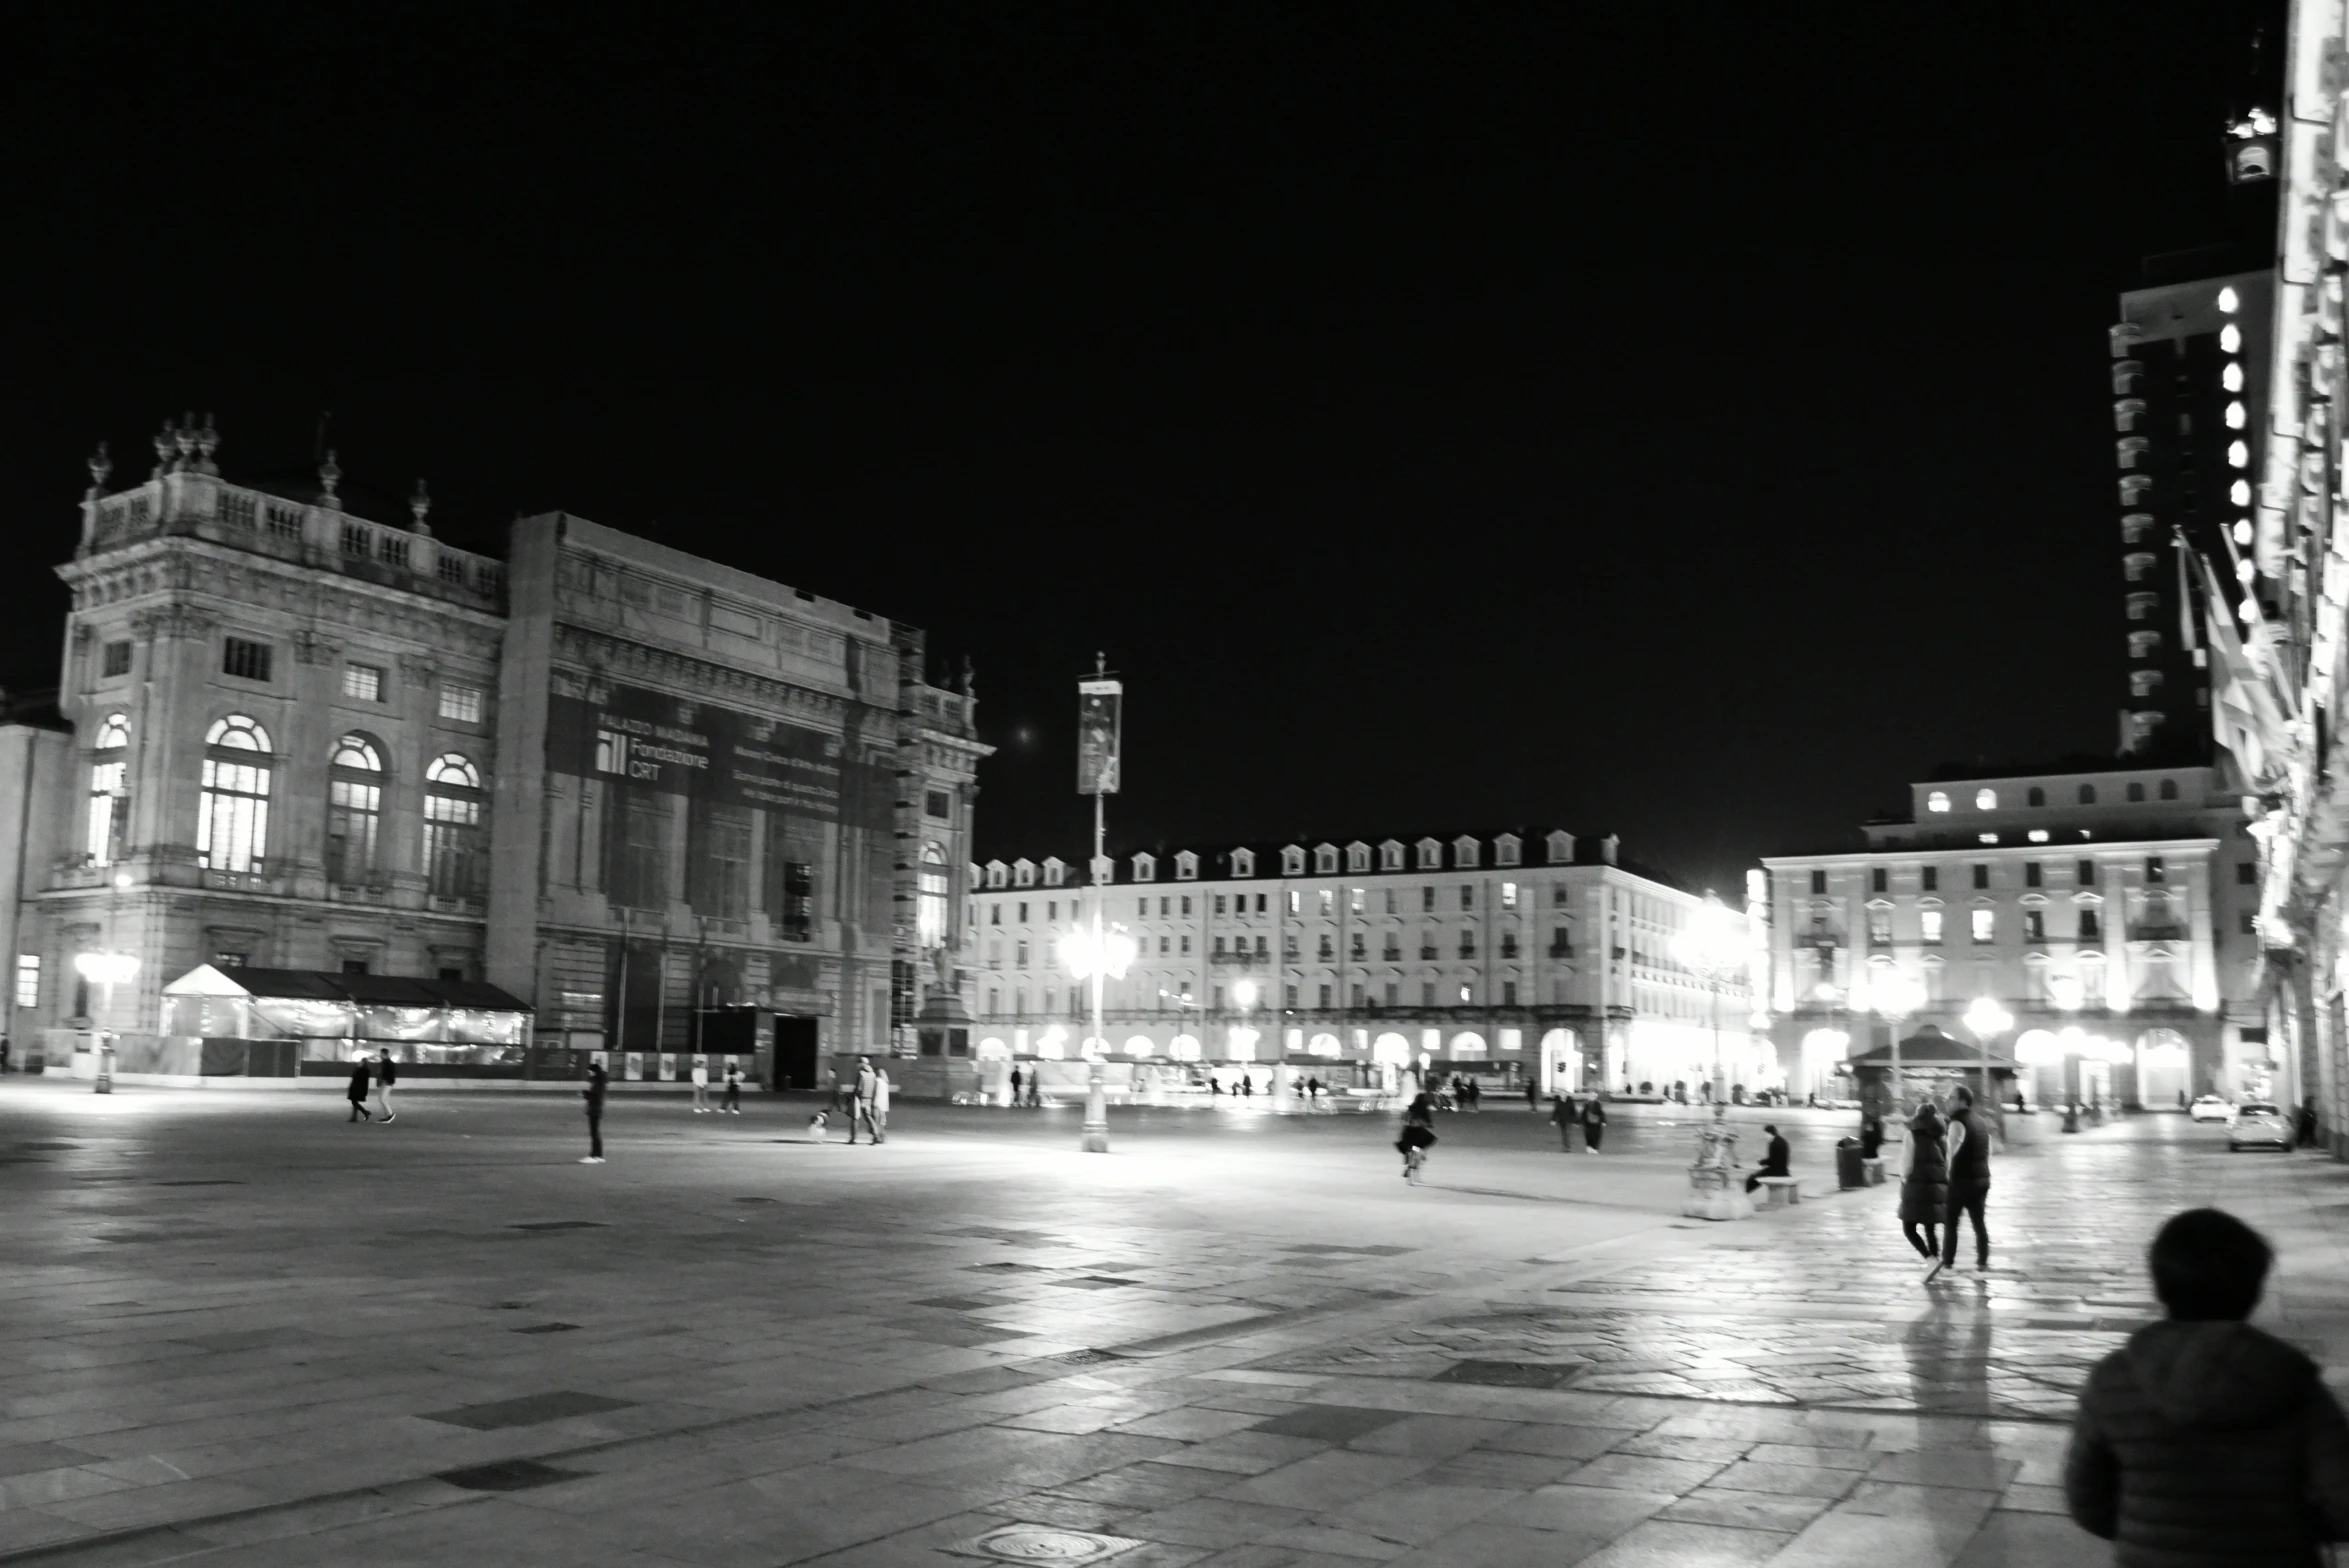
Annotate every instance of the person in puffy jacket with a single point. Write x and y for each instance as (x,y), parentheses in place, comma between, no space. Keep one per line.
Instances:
(2203,1440)
(1924,1180)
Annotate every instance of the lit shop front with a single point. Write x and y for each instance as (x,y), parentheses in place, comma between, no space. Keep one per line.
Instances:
(289,1023)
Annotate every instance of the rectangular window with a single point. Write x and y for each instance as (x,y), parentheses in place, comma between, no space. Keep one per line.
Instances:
(1142,909)
(1051,910)
(1508,895)
(353,808)
(363,682)
(452,845)
(1263,948)
(1467,896)
(1294,896)
(1289,995)
(1186,906)
(1219,903)
(1427,993)
(1981,876)
(118,657)
(2030,873)
(1985,924)
(1186,941)
(636,847)
(2091,928)
(1324,998)
(1165,907)
(1427,899)
(1394,993)
(721,864)
(2247,873)
(1931,882)
(2087,873)
(1260,904)
(1329,901)
(28,979)
(1023,911)
(2154,869)
(461,703)
(1019,956)
(244,659)
(1930,923)
(2034,925)
(1354,899)
(1818,882)
(228,960)
(1166,945)
(1508,993)
(1879,879)
(1879,928)
(938,803)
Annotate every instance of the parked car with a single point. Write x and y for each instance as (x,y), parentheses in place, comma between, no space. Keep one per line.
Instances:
(2210,1108)
(2259,1127)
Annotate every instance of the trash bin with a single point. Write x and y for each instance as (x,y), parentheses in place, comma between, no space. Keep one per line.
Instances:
(1849,1172)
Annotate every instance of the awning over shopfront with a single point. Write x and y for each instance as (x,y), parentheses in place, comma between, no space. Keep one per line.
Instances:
(317,1004)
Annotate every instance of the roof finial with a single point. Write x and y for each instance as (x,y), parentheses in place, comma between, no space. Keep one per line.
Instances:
(419,507)
(101,466)
(185,439)
(207,442)
(330,474)
(165,440)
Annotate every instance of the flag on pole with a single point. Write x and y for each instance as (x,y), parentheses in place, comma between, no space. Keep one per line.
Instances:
(1100,735)
(2247,715)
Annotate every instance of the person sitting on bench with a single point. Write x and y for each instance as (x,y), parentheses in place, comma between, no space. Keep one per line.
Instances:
(1774,1161)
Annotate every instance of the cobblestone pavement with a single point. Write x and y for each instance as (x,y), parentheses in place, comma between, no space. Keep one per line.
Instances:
(242,1333)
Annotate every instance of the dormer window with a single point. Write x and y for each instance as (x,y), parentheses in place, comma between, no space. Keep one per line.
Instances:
(1506,849)
(1431,855)
(1937,800)
(1985,800)
(1560,848)
(1023,873)
(1464,852)
(1055,871)
(1145,868)
(1243,862)
(1293,861)
(1325,859)
(1357,856)
(1390,855)
(997,873)
(1186,870)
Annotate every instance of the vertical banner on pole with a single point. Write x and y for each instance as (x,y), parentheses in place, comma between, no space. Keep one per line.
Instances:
(1100,721)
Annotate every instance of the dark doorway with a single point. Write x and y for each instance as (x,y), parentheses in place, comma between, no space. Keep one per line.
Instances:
(795,1053)
(726,1031)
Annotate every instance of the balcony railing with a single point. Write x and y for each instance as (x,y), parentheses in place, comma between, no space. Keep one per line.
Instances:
(2168,932)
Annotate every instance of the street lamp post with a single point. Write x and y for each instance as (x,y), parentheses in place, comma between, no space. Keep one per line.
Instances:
(108,970)
(1094,953)
(1708,948)
(1895,1000)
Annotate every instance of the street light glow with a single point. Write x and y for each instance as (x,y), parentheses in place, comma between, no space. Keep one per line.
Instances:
(1244,993)
(1081,958)
(1985,1017)
(106,968)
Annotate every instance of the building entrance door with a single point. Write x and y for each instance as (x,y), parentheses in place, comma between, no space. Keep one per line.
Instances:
(795,1053)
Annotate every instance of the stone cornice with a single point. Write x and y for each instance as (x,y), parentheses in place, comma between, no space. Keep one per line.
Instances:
(602,656)
(180,564)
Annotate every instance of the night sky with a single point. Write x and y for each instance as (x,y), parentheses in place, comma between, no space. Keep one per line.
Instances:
(1687,421)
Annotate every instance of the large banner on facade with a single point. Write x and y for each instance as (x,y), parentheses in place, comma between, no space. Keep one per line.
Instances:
(1100,717)
(682,747)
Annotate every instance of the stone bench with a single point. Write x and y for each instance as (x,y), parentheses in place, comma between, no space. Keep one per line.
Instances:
(1872,1173)
(1780,1192)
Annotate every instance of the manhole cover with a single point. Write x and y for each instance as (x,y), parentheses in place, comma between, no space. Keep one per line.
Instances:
(1508,1374)
(1035,1543)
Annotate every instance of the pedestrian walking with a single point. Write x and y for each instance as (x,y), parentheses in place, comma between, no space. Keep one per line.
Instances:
(1418,1134)
(860,1100)
(1474,1089)
(1533,1095)
(357,1092)
(1777,1158)
(1594,1123)
(880,1105)
(1015,1085)
(1035,1088)
(2204,1440)
(1565,1113)
(1871,1136)
(701,1085)
(1247,1087)
(1924,1181)
(2303,1133)
(3,1054)
(385,1076)
(1969,1181)
(732,1103)
(593,1094)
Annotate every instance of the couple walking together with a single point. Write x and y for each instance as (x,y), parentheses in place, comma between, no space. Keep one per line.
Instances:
(1945,1175)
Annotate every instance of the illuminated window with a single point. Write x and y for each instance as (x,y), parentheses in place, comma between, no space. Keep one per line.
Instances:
(2238,455)
(461,703)
(1467,992)
(452,827)
(109,792)
(2231,339)
(118,659)
(354,807)
(1929,922)
(1985,800)
(2240,492)
(1937,801)
(28,979)
(2039,835)
(1329,901)
(363,682)
(2232,377)
(2234,416)
(1508,895)
(2228,300)
(232,816)
(1985,925)
(930,912)
(245,659)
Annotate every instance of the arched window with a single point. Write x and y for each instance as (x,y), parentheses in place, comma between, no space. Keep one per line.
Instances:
(232,819)
(2169,789)
(109,791)
(930,911)
(452,827)
(2087,794)
(354,805)
(2038,796)
(2136,791)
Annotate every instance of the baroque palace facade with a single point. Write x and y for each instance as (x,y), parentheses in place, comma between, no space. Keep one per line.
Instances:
(644,794)
(1532,953)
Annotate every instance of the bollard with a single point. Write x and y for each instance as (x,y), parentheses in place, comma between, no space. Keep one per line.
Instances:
(105,1083)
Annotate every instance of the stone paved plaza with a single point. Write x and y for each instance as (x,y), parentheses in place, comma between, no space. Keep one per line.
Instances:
(241,1331)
